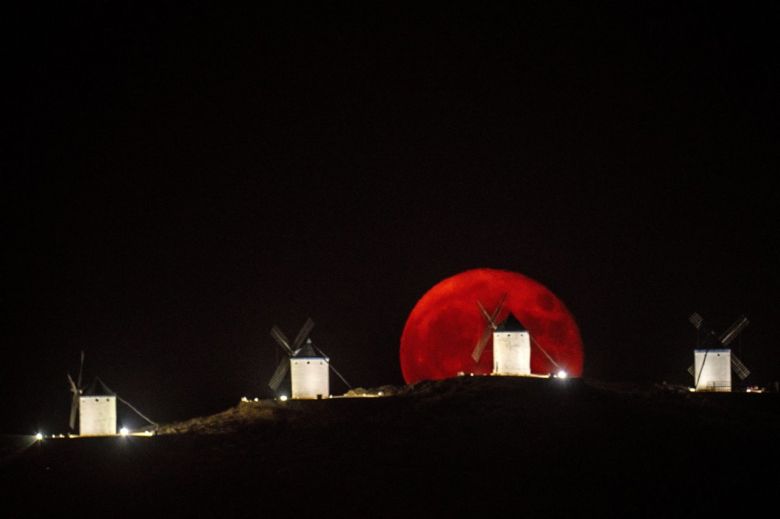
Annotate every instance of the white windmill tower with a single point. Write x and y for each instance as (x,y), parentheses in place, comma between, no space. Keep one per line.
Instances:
(308,366)
(97,410)
(713,360)
(511,348)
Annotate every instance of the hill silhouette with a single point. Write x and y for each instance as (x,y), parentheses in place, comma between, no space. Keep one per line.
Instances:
(476,445)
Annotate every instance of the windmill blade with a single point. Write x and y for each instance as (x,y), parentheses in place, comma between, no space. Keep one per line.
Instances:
(339,375)
(696,320)
(485,313)
(74,408)
(136,411)
(701,368)
(497,311)
(739,368)
(73,387)
(331,366)
(81,369)
(74,403)
(692,370)
(734,330)
(303,334)
(279,374)
(479,349)
(281,339)
(535,343)
(318,350)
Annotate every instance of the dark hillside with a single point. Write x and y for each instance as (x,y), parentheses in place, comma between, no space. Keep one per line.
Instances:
(472,445)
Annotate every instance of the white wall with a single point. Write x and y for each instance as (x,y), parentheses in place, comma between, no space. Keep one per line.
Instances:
(511,353)
(712,370)
(310,378)
(97,415)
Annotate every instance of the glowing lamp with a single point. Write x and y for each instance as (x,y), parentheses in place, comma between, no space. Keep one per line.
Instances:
(39,436)
(124,431)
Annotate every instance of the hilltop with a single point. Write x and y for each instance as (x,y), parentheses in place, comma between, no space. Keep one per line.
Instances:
(467,445)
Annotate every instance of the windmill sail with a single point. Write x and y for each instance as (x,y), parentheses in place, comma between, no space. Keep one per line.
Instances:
(332,367)
(739,368)
(696,320)
(279,374)
(281,339)
(303,334)
(490,326)
(76,389)
(734,330)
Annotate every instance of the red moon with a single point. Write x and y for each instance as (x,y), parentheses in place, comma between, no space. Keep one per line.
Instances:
(446,323)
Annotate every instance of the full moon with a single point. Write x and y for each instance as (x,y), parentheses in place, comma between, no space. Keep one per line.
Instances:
(446,324)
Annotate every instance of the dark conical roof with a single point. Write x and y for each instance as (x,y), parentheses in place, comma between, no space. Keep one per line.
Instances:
(307,350)
(511,324)
(98,388)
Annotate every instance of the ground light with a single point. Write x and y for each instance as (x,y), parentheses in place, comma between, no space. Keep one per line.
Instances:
(39,436)
(561,374)
(283,398)
(124,431)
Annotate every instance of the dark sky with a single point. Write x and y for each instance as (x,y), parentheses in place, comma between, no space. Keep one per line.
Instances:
(179,179)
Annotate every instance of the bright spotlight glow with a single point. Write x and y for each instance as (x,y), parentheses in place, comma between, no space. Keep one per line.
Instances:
(124,431)
(39,436)
(561,374)
(283,398)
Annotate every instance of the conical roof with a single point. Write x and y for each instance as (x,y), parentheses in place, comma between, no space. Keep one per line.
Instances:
(98,388)
(307,350)
(511,324)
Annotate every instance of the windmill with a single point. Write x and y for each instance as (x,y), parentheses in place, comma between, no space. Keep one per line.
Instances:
(510,341)
(511,348)
(96,406)
(308,366)
(713,359)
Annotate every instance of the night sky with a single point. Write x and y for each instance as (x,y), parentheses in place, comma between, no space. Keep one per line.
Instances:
(176,180)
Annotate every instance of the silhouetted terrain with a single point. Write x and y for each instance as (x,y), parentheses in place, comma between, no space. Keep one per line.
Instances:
(480,445)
